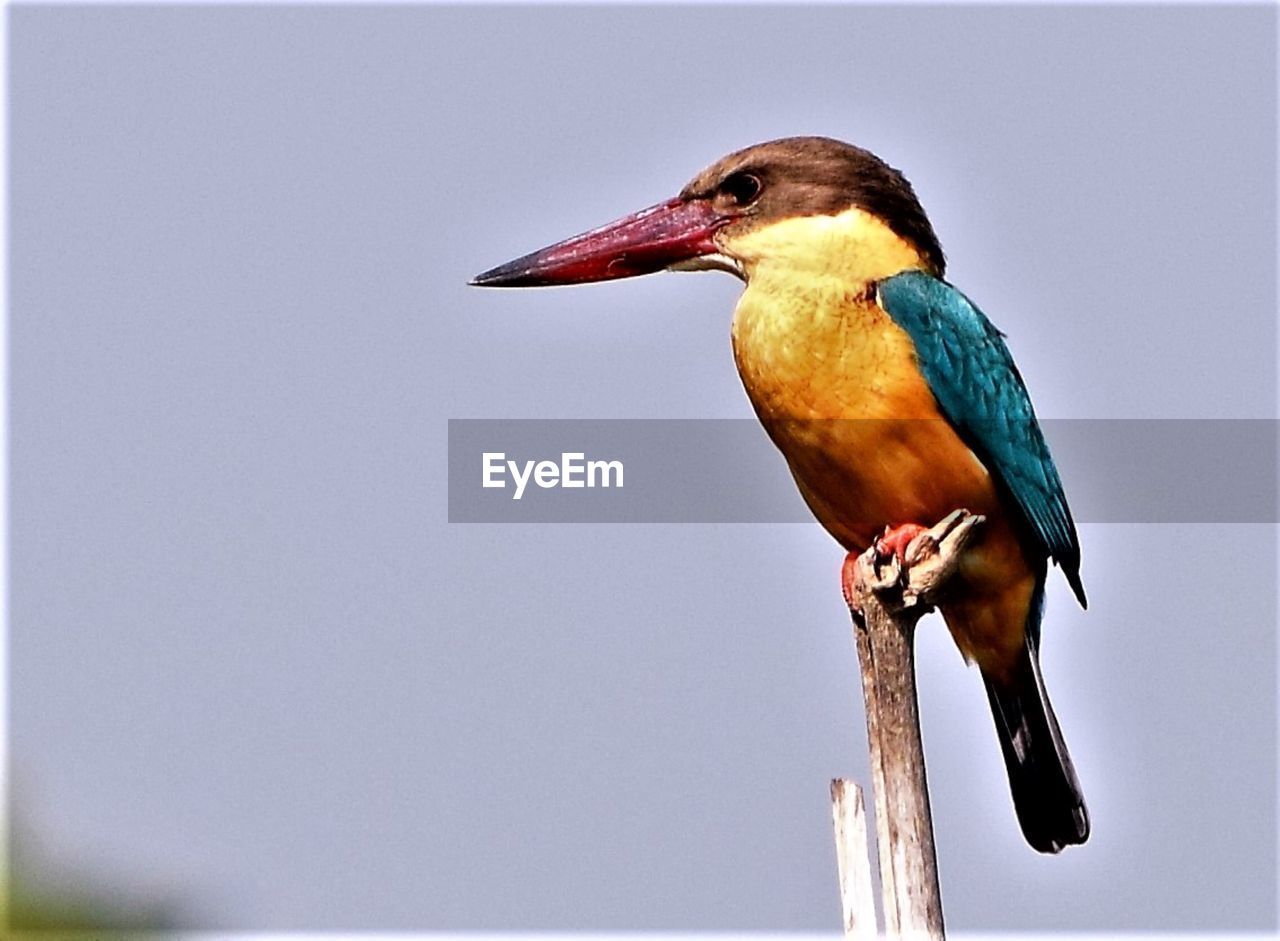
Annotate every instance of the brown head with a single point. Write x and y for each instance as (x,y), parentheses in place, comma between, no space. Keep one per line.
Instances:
(712,222)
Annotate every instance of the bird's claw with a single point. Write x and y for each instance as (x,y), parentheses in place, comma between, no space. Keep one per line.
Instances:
(909,564)
(860,575)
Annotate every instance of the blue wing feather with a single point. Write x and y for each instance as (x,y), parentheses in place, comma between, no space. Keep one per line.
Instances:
(978,388)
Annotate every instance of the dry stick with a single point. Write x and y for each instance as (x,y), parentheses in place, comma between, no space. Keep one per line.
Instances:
(908,865)
(888,600)
(853,859)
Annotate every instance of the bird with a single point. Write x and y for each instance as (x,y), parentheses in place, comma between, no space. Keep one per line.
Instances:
(891,396)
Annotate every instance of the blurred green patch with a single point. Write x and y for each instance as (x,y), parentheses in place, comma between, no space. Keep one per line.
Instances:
(80,910)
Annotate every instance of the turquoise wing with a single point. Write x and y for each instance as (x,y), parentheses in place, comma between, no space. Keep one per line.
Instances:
(978,388)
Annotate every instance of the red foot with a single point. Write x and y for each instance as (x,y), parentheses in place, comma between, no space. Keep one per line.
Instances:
(894,542)
(896,539)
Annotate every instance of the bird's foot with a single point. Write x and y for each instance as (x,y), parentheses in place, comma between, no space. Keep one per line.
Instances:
(909,563)
(871,572)
(896,540)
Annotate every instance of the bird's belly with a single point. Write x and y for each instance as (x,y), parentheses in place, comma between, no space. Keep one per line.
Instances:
(860,475)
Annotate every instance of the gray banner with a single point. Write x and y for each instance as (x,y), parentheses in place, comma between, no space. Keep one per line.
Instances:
(727,471)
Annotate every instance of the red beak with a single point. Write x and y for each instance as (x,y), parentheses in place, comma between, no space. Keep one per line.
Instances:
(647,241)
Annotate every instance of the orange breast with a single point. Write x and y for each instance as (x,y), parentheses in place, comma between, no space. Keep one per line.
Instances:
(836,385)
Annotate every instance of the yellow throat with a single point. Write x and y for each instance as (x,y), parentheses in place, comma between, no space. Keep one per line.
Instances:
(809,339)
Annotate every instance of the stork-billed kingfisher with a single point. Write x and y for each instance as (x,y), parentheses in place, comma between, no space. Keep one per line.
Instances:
(890,394)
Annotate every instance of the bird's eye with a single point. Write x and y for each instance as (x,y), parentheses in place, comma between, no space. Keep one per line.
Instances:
(742,188)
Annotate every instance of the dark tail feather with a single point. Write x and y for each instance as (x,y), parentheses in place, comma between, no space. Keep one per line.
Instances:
(1046,793)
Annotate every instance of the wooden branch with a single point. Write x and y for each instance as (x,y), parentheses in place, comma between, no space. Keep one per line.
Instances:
(886,600)
(853,859)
